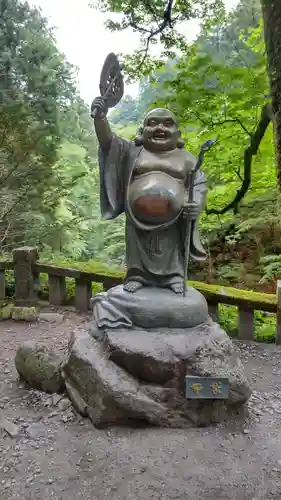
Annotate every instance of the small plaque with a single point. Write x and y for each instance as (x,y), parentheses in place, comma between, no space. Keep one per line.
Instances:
(206,387)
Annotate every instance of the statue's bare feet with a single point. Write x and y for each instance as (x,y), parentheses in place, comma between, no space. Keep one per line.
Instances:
(132,286)
(177,288)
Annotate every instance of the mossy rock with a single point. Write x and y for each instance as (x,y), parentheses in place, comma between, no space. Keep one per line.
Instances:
(6,311)
(28,314)
(39,367)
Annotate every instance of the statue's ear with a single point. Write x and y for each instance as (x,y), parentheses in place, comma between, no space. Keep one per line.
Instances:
(139,137)
(180,143)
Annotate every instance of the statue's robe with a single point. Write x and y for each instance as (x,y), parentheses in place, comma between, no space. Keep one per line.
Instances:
(152,257)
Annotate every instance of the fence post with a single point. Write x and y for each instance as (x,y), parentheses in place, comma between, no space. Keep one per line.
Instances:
(213,308)
(57,290)
(246,323)
(24,259)
(278,313)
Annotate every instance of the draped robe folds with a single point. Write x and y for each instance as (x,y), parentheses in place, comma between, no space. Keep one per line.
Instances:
(152,257)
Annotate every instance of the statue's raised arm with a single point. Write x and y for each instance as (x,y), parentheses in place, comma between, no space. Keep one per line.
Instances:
(99,110)
(116,155)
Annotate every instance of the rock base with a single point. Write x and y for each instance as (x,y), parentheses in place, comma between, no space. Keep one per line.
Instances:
(138,376)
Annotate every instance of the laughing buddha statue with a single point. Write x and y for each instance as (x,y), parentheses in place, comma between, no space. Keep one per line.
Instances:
(147,179)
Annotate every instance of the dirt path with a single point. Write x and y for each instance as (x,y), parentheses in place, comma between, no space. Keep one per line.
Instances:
(59,456)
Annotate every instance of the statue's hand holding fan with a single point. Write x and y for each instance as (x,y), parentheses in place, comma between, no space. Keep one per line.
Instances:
(111,86)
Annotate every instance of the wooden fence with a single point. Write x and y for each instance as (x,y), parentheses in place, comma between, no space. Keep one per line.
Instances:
(27,269)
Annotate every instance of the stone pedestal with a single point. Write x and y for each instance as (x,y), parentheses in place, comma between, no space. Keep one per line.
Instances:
(138,375)
(149,306)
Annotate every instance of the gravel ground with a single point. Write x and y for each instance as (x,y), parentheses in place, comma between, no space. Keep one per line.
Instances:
(59,456)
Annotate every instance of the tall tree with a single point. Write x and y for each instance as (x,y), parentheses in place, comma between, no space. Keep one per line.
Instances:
(126,111)
(272,30)
(224,39)
(36,86)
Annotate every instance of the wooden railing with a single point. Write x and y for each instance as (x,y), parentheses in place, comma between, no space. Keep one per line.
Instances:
(27,269)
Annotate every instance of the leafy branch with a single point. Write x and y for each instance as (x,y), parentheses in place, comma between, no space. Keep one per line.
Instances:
(256,138)
(226,120)
(167,22)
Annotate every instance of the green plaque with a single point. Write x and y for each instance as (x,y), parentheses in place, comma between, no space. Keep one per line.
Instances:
(206,387)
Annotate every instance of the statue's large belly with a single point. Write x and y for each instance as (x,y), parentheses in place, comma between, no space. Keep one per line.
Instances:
(155,198)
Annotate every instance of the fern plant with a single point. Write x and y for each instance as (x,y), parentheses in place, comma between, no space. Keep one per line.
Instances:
(271,268)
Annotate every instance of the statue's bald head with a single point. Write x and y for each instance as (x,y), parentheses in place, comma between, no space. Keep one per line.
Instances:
(160,131)
(161,113)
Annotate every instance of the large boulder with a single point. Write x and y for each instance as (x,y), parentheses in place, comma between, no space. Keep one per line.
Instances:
(139,375)
(39,367)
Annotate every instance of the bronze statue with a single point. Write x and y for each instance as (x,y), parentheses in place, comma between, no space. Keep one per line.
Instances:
(161,189)
(148,180)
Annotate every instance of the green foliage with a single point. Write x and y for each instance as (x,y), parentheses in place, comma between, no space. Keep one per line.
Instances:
(126,111)
(48,153)
(265,323)
(271,268)
(215,100)
(37,84)
(90,266)
(153,21)
(223,41)
(231,272)
(221,95)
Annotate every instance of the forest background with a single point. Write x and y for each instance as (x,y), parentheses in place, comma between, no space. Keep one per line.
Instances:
(217,86)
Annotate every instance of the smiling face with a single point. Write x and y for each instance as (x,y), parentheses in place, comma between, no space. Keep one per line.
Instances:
(160,130)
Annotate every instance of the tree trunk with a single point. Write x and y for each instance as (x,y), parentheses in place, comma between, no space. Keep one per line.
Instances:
(272,31)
